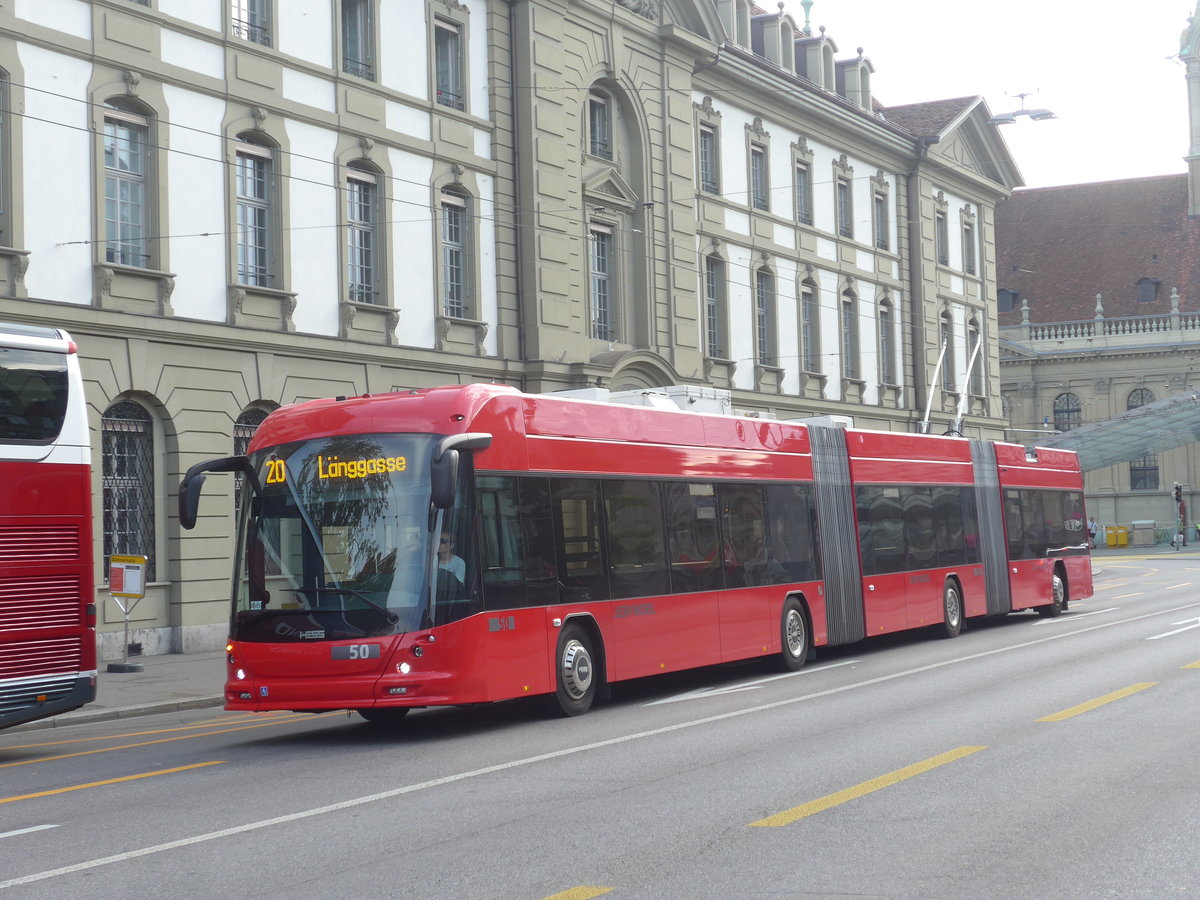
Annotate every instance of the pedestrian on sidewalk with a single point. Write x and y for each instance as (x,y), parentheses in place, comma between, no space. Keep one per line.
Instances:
(1092,531)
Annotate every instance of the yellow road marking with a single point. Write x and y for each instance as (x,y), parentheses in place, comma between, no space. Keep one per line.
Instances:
(1099,701)
(92,784)
(182,737)
(580,893)
(281,720)
(788,816)
(1195,665)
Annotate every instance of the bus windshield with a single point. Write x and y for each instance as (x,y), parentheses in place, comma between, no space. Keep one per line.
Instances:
(336,540)
(33,394)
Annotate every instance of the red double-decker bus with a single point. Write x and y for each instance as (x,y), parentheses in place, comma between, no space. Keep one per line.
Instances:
(472,544)
(47,610)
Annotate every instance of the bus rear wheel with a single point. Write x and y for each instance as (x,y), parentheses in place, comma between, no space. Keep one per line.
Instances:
(1058,601)
(952,610)
(793,637)
(389,715)
(575,673)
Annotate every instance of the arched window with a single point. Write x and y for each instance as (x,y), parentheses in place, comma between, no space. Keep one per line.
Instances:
(127,482)
(243,430)
(1067,414)
(1143,471)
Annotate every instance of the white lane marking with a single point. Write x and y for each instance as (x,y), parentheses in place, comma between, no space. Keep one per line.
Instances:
(1188,625)
(8,834)
(557,754)
(701,693)
(1074,617)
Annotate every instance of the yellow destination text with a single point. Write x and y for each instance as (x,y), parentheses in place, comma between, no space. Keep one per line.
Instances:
(332,467)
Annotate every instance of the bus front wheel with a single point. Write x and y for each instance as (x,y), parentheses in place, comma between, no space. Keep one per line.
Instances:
(793,634)
(952,610)
(1058,601)
(575,673)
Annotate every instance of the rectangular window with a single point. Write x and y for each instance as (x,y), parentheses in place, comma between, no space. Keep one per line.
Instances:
(710,178)
(600,127)
(362,219)
(714,306)
(804,211)
(447,40)
(636,558)
(125,139)
(887,346)
(1143,473)
(947,338)
(251,20)
(969,248)
(810,354)
(454,256)
(849,339)
(977,367)
(358,39)
(759,191)
(764,304)
(941,237)
(600,268)
(845,208)
(253,185)
(882,231)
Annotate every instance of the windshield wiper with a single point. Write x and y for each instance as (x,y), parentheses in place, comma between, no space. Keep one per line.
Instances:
(391,616)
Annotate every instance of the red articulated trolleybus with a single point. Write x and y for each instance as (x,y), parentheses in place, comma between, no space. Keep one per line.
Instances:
(471,544)
(47,611)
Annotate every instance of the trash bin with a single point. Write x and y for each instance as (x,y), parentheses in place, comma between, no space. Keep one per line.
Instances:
(1110,535)
(1122,536)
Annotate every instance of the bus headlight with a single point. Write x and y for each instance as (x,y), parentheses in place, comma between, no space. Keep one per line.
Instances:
(403,668)
(240,674)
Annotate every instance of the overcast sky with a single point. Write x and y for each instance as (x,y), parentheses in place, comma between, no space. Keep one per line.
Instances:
(1107,70)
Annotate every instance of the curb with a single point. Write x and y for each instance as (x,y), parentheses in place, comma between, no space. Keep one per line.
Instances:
(86,716)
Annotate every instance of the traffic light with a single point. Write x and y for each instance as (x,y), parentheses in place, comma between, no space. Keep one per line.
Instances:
(1178,493)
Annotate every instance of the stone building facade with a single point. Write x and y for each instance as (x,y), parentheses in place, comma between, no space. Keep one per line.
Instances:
(241,204)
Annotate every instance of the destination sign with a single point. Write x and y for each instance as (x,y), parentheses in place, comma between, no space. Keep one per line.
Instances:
(333,467)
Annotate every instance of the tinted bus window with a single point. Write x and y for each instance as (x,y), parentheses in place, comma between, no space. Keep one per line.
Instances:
(636,558)
(970,525)
(500,544)
(745,531)
(576,506)
(880,529)
(791,541)
(1037,528)
(948,524)
(1014,526)
(917,505)
(537,536)
(33,394)
(695,540)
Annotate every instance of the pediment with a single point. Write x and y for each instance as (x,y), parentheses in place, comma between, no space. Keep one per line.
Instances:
(606,187)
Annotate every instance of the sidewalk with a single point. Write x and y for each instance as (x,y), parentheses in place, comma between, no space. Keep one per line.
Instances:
(166,683)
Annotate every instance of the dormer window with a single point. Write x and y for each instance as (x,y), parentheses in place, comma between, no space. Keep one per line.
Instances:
(1147,290)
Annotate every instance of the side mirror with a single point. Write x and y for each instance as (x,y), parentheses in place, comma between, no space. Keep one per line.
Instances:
(193,482)
(443,468)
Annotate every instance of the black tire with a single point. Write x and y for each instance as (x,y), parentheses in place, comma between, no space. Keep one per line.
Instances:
(384,716)
(575,673)
(952,610)
(1058,605)
(793,637)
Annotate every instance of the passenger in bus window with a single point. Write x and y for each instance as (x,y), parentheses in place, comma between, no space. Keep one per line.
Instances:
(448,561)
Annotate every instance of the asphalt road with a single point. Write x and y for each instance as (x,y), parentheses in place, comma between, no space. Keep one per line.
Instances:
(1028,757)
